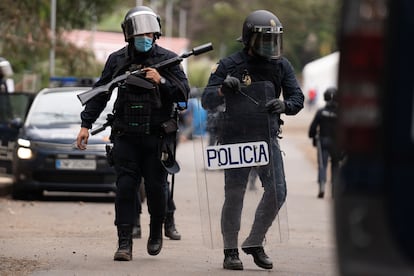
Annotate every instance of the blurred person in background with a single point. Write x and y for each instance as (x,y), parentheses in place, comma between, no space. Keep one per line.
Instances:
(322,133)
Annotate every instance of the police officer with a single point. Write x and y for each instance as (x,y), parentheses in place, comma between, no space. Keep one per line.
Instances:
(322,132)
(143,128)
(260,67)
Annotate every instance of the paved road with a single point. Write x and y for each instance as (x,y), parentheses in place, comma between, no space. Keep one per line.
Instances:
(78,238)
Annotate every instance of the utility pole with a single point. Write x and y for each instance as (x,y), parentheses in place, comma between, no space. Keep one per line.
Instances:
(169,19)
(52,37)
(182,29)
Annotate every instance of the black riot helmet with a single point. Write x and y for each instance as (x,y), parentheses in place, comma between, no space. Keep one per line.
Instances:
(330,94)
(141,20)
(262,32)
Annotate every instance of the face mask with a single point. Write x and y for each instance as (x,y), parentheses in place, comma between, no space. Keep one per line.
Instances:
(142,43)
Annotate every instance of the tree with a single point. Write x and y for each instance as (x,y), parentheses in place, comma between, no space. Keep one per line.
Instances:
(309,29)
(25,34)
(309,26)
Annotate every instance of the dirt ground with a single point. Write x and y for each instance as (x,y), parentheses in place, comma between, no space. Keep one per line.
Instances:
(10,266)
(26,224)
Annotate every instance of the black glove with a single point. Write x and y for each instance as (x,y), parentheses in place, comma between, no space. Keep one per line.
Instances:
(230,85)
(275,106)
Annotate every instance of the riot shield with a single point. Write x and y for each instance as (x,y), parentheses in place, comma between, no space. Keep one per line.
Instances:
(240,174)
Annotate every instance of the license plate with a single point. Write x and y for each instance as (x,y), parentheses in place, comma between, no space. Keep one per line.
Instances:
(75,164)
(236,155)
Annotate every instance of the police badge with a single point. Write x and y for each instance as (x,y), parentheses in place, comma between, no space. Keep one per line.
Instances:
(246,78)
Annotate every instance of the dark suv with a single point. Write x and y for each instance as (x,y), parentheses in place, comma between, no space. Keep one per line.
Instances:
(45,154)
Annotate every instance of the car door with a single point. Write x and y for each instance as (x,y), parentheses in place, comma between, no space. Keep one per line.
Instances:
(13,110)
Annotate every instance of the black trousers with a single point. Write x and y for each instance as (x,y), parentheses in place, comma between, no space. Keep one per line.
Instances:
(273,181)
(137,157)
(170,201)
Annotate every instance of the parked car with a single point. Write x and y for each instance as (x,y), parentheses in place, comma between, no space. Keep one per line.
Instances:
(45,155)
(13,110)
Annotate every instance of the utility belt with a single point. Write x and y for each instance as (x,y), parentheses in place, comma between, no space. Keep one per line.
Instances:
(120,127)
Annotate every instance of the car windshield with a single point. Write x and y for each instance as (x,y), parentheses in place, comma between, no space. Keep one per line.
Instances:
(60,108)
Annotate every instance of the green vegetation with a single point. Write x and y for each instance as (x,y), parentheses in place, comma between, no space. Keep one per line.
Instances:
(309,31)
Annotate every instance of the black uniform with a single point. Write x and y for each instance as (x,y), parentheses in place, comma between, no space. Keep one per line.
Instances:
(322,131)
(265,80)
(138,134)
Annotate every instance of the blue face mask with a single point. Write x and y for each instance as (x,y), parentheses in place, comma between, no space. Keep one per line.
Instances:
(142,43)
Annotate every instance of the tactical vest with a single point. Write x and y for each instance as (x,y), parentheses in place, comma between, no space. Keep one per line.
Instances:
(246,118)
(136,109)
(139,108)
(256,71)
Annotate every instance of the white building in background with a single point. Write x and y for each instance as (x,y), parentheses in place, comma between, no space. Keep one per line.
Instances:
(104,43)
(320,74)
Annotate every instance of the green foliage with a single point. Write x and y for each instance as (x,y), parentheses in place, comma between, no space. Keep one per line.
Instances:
(309,30)
(199,71)
(25,35)
(309,26)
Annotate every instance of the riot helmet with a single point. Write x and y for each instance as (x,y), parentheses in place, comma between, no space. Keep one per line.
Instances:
(141,20)
(330,94)
(262,33)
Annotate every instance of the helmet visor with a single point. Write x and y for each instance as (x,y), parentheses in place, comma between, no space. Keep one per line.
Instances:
(141,22)
(267,42)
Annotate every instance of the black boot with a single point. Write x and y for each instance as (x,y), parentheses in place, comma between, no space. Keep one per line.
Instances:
(169,228)
(124,252)
(136,229)
(231,259)
(259,256)
(321,190)
(154,244)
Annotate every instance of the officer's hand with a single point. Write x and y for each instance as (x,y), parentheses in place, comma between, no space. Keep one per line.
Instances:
(275,106)
(82,139)
(152,74)
(230,85)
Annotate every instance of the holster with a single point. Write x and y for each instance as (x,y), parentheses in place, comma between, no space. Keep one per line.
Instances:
(109,155)
(169,126)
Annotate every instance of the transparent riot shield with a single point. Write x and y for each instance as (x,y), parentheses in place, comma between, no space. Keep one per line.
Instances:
(240,174)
